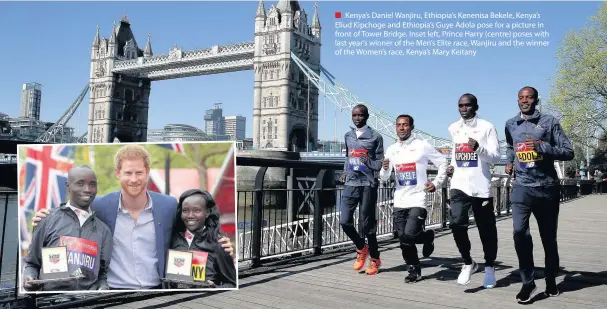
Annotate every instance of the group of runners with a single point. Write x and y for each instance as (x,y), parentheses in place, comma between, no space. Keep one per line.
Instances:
(535,141)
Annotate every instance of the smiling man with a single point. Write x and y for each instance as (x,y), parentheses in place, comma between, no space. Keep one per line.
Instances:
(74,225)
(535,141)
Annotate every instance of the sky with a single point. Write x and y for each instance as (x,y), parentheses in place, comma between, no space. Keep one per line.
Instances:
(50,43)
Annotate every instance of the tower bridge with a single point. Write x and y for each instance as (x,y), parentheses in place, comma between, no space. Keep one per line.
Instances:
(288,82)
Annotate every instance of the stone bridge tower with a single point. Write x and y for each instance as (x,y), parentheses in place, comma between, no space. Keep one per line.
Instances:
(118,106)
(280,113)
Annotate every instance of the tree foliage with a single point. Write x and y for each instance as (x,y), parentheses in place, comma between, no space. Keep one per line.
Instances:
(579,94)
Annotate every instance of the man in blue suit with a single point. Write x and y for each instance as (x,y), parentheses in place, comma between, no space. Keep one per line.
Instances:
(141,222)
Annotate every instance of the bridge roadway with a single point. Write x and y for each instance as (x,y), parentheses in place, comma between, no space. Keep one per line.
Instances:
(327,281)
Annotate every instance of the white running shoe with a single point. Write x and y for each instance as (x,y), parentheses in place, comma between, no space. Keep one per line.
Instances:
(467,271)
(489,282)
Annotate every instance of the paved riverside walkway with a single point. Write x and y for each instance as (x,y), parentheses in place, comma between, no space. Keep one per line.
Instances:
(328,281)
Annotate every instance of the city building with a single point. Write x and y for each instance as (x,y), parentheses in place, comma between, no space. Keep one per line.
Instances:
(28,126)
(31,97)
(213,119)
(5,126)
(235,127)
(187,133)
(178,132)
(30,129)
(223,128)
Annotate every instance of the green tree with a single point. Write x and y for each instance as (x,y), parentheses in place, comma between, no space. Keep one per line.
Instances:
(579,92)
(206,156)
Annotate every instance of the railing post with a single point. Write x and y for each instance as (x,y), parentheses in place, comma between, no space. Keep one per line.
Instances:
(290,195)
(256,241)
(17,272)
(499,198)
(443,202)
(4,235)
(318,212)
(508,187)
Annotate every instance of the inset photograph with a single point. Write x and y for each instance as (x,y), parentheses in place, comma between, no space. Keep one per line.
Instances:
(137,216)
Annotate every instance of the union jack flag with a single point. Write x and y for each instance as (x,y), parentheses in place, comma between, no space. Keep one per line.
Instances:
(42,180)
(177,147)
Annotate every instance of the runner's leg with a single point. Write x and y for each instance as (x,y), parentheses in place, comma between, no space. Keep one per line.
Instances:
(522,200)
(460,209)
(484,216)
(349,201)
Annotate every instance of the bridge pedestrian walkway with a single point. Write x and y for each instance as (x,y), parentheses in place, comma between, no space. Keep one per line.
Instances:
(328,281)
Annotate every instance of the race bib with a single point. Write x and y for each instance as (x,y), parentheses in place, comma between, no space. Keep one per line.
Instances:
(406,174)
(199,265)
(354,163)
(465,156)
(527,158)
(81,253)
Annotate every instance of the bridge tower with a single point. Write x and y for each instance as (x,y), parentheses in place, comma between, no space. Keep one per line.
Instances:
(118,104)
(280,112)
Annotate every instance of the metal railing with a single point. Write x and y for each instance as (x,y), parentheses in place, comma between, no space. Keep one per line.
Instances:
(8,249)
(276,223)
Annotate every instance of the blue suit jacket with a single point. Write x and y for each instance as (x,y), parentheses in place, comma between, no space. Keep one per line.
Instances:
(164,208)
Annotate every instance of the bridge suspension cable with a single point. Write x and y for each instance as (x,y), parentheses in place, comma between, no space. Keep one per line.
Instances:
(343,98)
(384,123)
(58,127)
(83,138)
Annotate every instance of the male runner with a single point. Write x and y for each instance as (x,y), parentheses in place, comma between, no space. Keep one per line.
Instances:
(409,158)
(475,147)
(365,151)
(537,140)
(74,225)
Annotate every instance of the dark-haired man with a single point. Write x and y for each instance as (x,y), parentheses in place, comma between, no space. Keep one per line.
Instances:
(75,226)
(409,158)
(535,141)
(365,152)
(475,147)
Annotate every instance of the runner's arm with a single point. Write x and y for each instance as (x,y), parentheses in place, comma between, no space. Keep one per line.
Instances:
(453,163)
(346,161)
(375,164)
(509,147)
(106,256)
(561,150)
(453,145)
(491,152)
(384,174)
(438,160)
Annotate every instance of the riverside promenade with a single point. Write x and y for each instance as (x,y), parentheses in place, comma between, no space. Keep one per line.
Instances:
(328,281)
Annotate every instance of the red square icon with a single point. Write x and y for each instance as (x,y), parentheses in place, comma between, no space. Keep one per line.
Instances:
(337,14)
